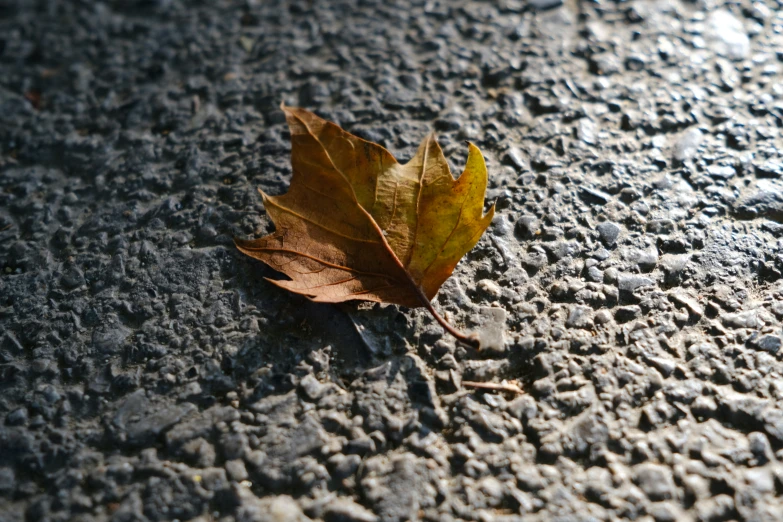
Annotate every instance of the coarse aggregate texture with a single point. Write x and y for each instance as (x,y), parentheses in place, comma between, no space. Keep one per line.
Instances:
(631,283)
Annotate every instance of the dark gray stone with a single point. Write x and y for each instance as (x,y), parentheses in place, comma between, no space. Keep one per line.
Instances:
(762,200)
(72,277)
(7,480)
(580,317)
(526,227)
(595,196)
(199,453)
(630,282)
(608,233)
(514,158)
(541,5)
(624,314)
(768,343)
(18,417)
(141,423)
(760,446)
(656,481)
(769,169)
(109,338)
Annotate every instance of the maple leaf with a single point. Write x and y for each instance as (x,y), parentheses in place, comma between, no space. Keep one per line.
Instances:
(356,224)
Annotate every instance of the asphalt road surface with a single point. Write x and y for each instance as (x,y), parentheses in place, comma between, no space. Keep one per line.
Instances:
(630,285)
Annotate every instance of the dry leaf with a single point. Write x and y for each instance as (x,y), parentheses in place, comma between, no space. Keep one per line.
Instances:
(356,224)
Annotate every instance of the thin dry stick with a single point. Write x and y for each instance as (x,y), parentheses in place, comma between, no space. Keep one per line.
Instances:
(503,386)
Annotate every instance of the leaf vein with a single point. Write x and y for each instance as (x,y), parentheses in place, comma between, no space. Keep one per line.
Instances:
(446,242)
(320,225)
(319,260)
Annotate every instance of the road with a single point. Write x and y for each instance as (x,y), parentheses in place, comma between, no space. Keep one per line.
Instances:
(630,284)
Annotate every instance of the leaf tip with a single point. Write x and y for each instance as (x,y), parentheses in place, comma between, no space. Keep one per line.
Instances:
(489,214)
(473,149)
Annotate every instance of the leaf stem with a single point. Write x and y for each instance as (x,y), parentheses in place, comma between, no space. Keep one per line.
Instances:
(470,339)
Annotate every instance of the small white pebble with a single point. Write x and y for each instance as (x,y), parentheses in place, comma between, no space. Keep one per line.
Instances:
(489,288)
